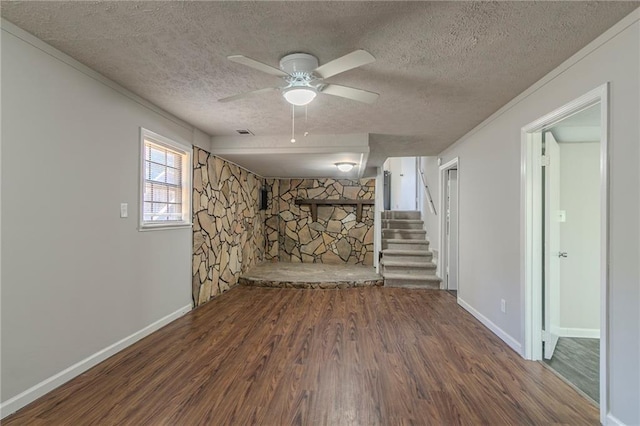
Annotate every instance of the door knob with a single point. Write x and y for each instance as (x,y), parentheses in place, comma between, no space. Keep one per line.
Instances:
(562,254)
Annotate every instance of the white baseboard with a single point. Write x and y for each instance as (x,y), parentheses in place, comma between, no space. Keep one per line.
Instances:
(17,402)
(576,332)
(612,421)
(513,343)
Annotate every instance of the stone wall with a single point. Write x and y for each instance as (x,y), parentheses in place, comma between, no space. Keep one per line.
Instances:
(228,227)
(336,237)
(272,222)
(231,234)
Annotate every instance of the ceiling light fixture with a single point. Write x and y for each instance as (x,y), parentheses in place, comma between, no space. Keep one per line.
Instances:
(299,96)
(345,166)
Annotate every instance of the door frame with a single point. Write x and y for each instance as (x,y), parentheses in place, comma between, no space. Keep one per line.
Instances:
(530,231)
(442,253)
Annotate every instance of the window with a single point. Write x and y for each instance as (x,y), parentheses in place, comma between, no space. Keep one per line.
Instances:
(166,182)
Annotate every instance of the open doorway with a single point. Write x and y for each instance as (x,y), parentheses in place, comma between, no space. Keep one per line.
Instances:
(572,249)
(401,184)
(449,190)
(565,242)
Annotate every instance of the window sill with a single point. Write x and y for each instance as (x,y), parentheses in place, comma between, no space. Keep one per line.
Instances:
(163,227)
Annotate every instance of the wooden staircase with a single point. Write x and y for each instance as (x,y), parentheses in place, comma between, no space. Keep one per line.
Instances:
(406,258)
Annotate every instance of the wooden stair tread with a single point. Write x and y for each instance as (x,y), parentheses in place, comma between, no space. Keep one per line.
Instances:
(407,277)
(408,264)
(403,241)
(405,230)
(400,252)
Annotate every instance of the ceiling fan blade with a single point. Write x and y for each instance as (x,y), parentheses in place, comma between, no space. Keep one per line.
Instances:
(248,94)
(350,93)
(344,63)
(257,65)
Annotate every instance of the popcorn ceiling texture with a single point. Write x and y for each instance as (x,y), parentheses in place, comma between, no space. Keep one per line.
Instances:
(231,234)
(441,67)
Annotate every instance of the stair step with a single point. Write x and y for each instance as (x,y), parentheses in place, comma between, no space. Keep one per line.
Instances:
(407,255)
(401,214)
(402,241)
(392,263)
(404,244)
(411,281)
(409,258)
(414,272)
(402,224)
(408,234)
(402,252)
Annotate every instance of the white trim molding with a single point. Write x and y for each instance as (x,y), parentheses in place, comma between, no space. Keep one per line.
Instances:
(605,37)
(12,405)
(377,221)
(63,57)
(531,225)
(454,163)
(613,421)
(591,333)
(185,151)
(503,335)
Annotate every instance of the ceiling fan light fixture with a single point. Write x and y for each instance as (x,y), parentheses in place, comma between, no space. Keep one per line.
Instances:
(345,166)
(299,96)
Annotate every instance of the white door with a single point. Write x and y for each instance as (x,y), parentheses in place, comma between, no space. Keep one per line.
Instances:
(552,248)
(452,229)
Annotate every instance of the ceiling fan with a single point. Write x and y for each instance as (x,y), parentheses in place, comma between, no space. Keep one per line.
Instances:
(305,79)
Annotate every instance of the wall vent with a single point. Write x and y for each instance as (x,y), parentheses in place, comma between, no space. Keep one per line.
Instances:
(244,132)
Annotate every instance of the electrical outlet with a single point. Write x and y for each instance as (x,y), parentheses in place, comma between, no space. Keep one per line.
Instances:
(124,210)
(503,306)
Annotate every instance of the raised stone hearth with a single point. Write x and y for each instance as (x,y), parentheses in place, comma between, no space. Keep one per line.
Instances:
(310,276)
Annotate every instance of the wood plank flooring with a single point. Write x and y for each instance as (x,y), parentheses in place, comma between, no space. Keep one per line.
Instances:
(578,361)
(360,356)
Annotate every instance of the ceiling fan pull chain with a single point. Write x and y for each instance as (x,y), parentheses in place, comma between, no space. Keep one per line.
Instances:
(293,124)
(306,128)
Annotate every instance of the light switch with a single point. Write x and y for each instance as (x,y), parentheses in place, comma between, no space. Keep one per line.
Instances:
(124,210)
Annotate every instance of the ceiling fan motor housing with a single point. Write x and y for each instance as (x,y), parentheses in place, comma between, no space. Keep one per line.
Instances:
(305,79)
(298,63)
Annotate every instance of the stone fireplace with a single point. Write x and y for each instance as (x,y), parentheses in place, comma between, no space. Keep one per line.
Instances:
(231,234)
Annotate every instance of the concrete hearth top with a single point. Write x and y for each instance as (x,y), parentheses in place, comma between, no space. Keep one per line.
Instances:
(310,275)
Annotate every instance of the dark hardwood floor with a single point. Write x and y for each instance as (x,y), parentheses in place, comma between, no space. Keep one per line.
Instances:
(578,361)
(361,356)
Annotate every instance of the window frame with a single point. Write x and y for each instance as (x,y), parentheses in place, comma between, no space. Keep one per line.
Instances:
(186,186)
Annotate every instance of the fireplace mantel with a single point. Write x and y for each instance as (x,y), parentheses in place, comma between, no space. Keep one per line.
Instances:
(339,202)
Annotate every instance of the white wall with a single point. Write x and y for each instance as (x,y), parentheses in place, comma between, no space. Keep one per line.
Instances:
(490,245)
(403,182)
(76,278)
(580,238)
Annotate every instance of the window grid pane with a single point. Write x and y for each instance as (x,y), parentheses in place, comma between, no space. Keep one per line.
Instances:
(162,198)
(158,192)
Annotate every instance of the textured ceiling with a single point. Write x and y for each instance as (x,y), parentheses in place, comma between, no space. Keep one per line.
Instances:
(441,67)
